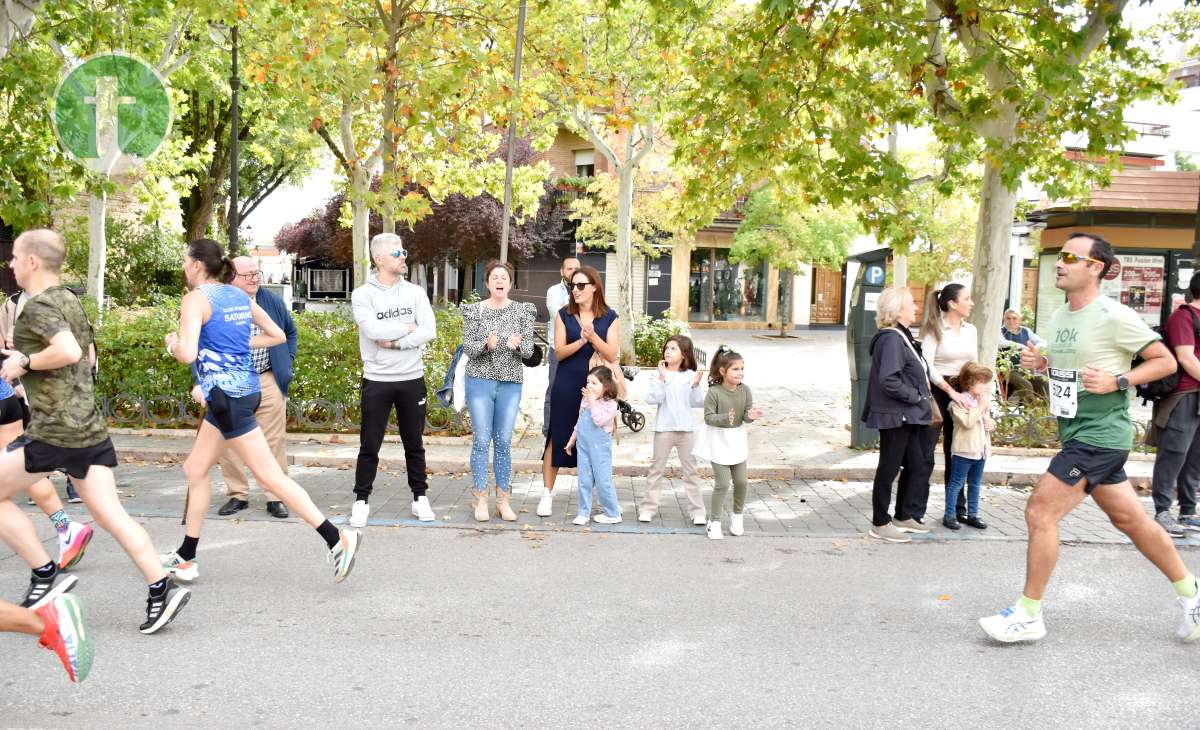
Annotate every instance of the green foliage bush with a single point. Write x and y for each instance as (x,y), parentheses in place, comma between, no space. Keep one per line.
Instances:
(133,361)
(649,336)
(144,264)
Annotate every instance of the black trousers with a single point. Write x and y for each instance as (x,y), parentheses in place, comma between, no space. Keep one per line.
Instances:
(901,451)
(1177,464)
(947,434)
(407,398)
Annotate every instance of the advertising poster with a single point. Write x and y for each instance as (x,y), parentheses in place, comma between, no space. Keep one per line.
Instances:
(1138,282)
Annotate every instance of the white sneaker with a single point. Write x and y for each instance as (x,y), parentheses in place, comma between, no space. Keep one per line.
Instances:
(184,571)
(645,517)
(714,531)
(1012,625)
(700,520)
(342,555)
(72,545)
(421,510)
(735,525)
(603,519)
(581,520)
(546,503)
(359,513)
(1189,630)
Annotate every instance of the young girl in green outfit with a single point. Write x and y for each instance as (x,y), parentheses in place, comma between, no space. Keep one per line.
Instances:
(728,407)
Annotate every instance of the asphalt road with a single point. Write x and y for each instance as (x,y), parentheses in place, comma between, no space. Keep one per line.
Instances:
(450,628)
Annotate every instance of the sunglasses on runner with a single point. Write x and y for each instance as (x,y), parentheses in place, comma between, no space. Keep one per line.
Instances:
(399,253)
(580,285)
(1073,258)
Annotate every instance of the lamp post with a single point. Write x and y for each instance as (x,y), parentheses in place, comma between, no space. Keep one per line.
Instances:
(512,133)
(216,32)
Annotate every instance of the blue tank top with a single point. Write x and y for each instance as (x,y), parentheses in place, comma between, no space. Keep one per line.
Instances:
(6,390)
(223,357)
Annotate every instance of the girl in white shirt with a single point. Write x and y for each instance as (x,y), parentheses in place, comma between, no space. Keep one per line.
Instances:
(676,391)
(948,341)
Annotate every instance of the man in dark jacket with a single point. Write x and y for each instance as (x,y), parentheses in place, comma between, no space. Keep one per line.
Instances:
(274,367)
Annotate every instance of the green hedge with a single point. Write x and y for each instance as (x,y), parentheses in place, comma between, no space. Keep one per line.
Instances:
(134,363)
(649,336)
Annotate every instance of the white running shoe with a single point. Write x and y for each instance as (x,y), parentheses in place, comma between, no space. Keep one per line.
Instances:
(581,520)
(359,513)
(184,571)
(700,520)
(603,519)
(736,527)
(421,510)
(342,555)
(546,503)
(1012,625)
(714,531)
(1189,629)
(645,517)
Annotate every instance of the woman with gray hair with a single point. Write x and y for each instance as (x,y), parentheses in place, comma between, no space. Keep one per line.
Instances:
(900,406)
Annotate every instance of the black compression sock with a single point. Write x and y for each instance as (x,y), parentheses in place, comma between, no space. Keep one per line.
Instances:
(159,588)
(187,550)
(46,571)
(330,533)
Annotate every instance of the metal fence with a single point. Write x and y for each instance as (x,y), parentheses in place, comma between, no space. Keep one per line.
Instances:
(1025,421)
(319,415)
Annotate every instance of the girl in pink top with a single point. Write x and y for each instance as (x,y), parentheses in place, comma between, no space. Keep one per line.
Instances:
(593,435)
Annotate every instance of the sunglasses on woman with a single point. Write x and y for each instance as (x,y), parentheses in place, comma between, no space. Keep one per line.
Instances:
(1073,258)
(580,285)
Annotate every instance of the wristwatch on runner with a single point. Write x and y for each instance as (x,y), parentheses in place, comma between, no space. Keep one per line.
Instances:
(25,362)
(1122,382)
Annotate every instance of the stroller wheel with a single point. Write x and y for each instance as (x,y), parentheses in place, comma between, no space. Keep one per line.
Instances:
(635,420)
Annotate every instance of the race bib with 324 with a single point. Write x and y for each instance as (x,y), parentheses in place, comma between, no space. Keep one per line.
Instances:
(1064,392)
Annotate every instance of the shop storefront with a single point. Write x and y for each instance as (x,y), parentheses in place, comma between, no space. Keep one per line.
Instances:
(1149,283)
(722,291)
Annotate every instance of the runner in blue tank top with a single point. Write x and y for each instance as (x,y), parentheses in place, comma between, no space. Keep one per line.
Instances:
(214,337)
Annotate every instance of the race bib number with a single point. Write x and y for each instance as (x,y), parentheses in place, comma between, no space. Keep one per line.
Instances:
(1064,392)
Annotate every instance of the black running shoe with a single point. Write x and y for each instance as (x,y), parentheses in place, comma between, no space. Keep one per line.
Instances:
(45,590)
(161,610)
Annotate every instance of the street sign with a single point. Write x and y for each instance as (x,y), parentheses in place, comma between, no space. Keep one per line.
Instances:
(875,275)
(112,112)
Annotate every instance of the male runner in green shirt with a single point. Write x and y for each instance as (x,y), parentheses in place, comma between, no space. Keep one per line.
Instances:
(1092,341)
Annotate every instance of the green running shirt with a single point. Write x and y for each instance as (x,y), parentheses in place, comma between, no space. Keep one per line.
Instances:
(1107,335)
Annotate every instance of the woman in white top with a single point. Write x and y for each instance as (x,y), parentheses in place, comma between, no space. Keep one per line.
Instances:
(948,341)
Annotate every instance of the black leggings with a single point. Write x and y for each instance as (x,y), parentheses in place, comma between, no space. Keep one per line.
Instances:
(379,398)
(947,434)
(901,451)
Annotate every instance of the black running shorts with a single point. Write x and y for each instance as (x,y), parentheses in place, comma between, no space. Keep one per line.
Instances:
(1097,465)
(11,410)
(42,458)
(233,417)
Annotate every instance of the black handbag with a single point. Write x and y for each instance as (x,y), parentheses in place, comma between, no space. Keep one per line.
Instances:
(534,358)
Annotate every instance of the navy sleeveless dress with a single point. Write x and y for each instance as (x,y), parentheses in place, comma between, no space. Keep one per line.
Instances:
(569,380)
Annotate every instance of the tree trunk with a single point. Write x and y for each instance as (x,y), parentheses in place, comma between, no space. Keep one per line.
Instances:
(624,255)
(97,247)
(993,235)
(360,226)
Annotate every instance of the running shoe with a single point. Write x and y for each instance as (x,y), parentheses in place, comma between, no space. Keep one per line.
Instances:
(66,635)
(581,520)
(910,525)
(737,526)
(72,545)
(184,571)
(342,554)
(359,513)
(1189,629)
(889,533)
(603,519)
(422,510)
(45,590)
(714,531)
(162,610)
(1012,625)
(72,496)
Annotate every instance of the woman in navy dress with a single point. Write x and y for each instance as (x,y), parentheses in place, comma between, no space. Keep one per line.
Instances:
(587,326)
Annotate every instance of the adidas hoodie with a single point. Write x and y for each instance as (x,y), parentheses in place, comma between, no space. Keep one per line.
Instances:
(385,313)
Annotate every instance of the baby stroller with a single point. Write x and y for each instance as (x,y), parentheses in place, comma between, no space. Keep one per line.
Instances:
(630,416)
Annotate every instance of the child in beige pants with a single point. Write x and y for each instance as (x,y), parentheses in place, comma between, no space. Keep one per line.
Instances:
(676,390)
